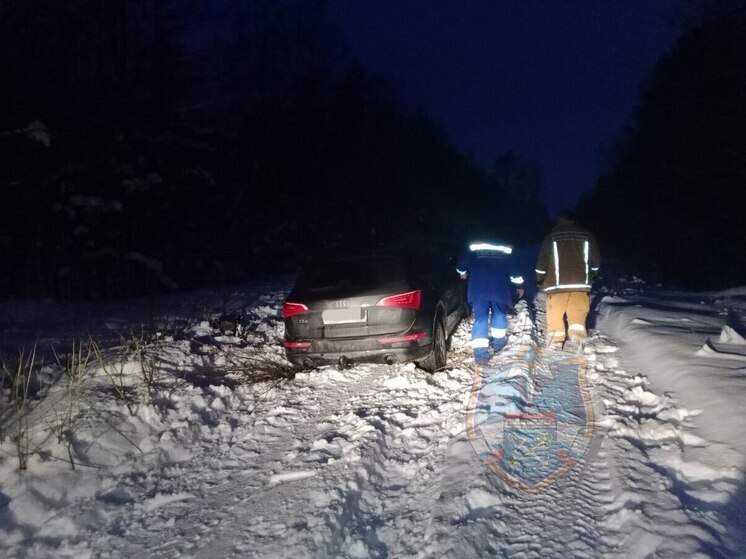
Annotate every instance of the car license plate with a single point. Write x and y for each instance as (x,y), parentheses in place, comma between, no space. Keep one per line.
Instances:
(343,316)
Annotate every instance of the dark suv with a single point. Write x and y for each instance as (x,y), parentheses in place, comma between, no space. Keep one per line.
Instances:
(380,309)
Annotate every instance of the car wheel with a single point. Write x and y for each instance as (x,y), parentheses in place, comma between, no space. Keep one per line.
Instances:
(464,312)
(436,360)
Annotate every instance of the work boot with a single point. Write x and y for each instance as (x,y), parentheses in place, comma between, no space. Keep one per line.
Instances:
(577,332)
(555,339)
(481,355)
(498,343)
(574,345)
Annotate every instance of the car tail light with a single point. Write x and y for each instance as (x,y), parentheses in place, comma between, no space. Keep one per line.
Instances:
(406,338)
(291,309)
(297,345)
(408,300)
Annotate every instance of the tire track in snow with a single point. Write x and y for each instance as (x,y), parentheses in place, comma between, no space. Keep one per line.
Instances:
(478,515)
(646,432)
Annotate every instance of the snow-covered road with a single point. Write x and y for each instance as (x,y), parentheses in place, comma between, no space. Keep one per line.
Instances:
(376,461)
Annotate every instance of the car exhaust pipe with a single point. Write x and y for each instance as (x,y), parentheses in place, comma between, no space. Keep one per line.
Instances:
(390,359)
(308,363)
(344,363)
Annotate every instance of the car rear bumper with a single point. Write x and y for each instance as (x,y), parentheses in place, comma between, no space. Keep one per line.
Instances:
(364,350)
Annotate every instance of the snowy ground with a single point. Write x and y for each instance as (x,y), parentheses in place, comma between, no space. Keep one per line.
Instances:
(231,455)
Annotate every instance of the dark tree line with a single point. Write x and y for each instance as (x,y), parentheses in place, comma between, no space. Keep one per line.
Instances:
(184,158)
(671,209)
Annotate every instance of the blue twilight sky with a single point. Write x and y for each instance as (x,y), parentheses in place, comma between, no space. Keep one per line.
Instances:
(553,80)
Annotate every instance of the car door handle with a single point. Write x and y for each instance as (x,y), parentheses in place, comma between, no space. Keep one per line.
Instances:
(448,294)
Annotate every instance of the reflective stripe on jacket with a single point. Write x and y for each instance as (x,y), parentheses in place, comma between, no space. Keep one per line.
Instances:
(568,260)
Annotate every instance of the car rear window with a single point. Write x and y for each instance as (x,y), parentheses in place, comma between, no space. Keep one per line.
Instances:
(352,273)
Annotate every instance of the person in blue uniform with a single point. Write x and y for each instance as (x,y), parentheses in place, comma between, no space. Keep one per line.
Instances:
(491,278)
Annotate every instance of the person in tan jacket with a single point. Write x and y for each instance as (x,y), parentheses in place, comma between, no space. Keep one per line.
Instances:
(568,262)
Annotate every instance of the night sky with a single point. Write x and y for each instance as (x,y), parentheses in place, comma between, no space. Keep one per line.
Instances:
(553,81)
(380,120)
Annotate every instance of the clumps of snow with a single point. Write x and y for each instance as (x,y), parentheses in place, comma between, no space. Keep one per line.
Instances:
(283,477)
(711,350)
(729,345)
(478,499)
(641,397)
(729,336)
(160,500)
(409,378)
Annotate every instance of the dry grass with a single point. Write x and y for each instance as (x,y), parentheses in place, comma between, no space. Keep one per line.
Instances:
(18,374)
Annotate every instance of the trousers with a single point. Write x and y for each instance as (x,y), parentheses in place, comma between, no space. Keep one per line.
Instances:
(489,322)
(573,304)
